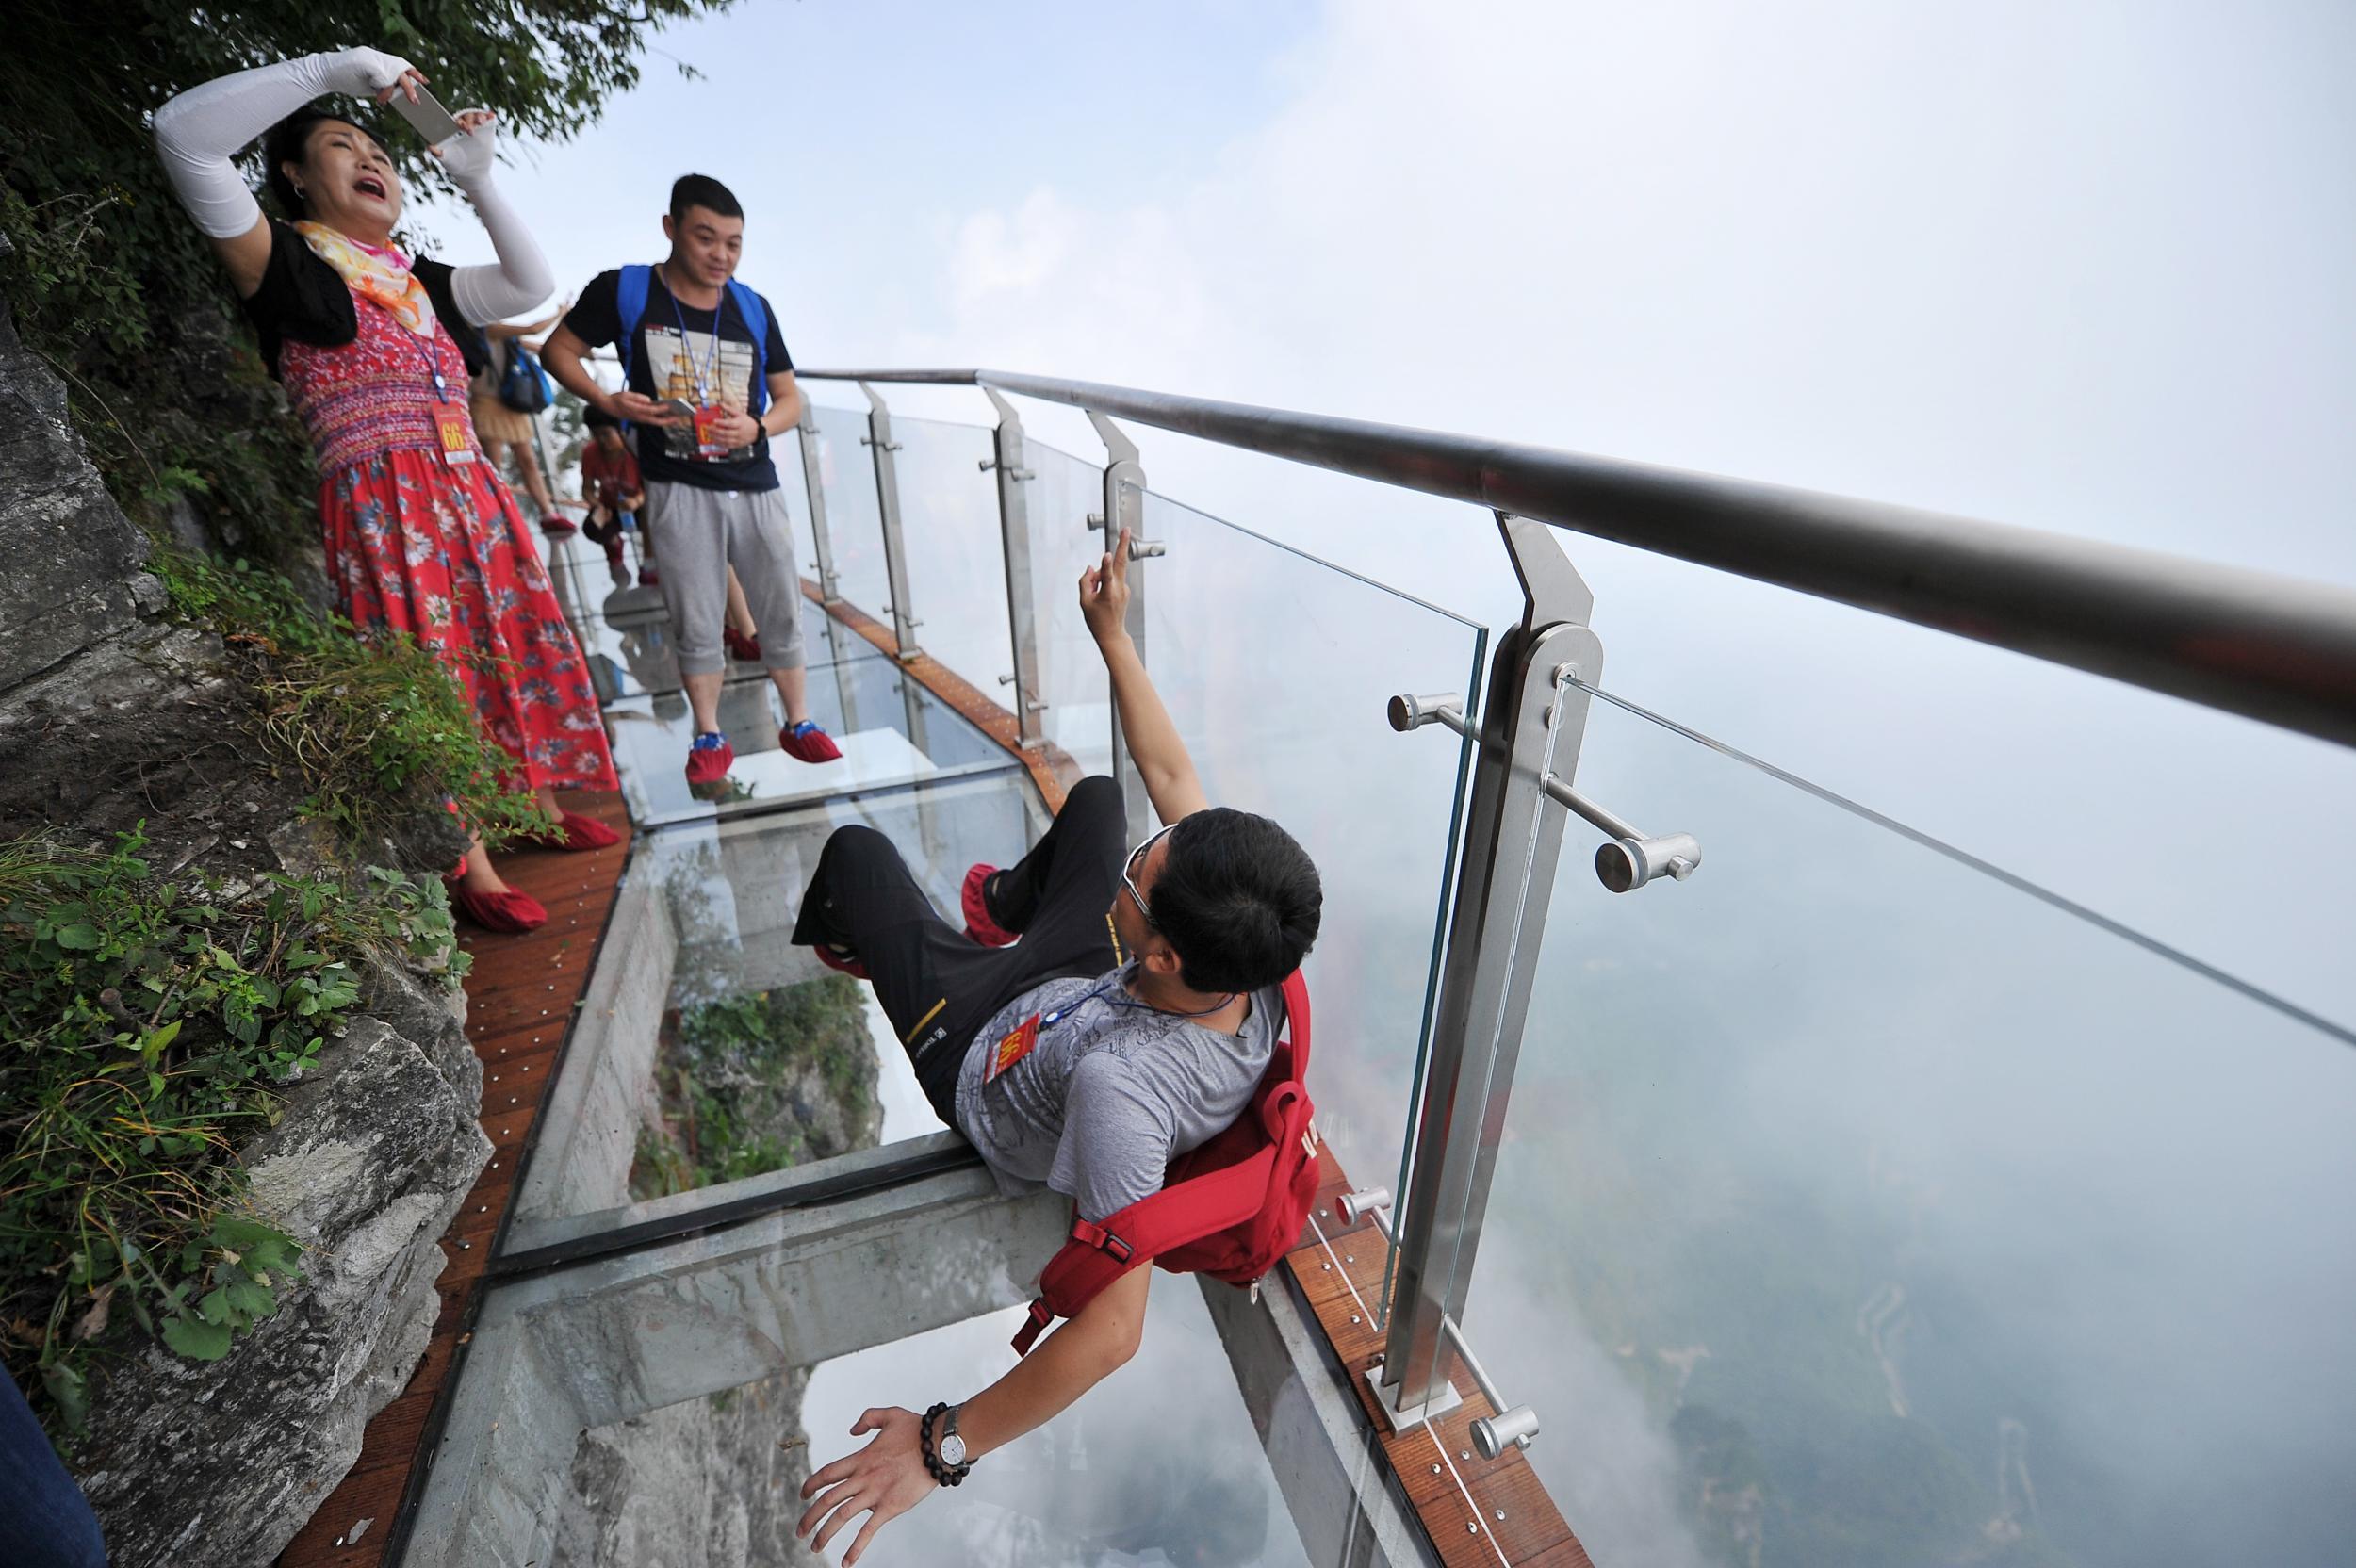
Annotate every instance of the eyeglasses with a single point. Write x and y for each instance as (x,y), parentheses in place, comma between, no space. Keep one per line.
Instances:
(1129,871)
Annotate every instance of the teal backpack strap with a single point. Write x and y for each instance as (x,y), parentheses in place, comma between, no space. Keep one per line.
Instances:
(755,315)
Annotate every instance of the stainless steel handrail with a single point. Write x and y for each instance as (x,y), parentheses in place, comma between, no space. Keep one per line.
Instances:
(2255,643)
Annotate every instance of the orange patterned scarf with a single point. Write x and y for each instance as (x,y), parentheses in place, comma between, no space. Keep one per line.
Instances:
(383,276)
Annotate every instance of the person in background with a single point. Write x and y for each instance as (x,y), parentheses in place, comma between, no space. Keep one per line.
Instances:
(422,539)
(612,491)
(707,381)
(503,430)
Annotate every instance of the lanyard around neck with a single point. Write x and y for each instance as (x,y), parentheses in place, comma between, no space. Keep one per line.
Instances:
(1098,993)
(708,374)
(428,346)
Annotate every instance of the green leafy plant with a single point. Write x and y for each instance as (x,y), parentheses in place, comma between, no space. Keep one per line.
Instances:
(149,1025)
(375,726)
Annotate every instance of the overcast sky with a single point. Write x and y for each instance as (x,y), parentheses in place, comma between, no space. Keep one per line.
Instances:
(2078,267)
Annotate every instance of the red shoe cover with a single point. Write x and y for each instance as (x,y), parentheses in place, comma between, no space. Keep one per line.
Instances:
(809,745)
(574,832)
(851,967)
(741,647)
(710,764)
(557,526)
(513,912)
(978,924)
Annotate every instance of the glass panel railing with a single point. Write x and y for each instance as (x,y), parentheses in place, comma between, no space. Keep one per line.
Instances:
(1077,719)
(1857,1205)
(846,475)
(1276,668)
(957,564)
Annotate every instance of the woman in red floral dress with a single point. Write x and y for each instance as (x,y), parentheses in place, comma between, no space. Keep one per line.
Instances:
(423,537)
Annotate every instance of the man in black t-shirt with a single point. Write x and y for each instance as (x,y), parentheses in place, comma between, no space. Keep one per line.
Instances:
(707,382)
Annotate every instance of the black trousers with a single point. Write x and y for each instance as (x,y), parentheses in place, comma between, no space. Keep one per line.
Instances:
(937,986)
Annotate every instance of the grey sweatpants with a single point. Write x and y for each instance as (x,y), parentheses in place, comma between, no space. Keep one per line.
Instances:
(701,535)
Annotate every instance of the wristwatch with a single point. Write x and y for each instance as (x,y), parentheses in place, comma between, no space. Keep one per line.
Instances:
(952,1447)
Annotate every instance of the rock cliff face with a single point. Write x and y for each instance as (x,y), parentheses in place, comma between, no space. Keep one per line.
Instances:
(109,718)
(222,1463)
(714,1482)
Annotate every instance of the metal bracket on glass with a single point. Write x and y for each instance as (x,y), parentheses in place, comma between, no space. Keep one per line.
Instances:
(1124,508)
(878,436)
(829,590)
(1633,858)
(1514,1423)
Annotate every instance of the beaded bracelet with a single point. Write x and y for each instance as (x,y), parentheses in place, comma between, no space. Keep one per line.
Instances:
(942,1475)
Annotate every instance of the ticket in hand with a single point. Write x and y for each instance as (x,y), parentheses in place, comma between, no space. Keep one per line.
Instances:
(708,440)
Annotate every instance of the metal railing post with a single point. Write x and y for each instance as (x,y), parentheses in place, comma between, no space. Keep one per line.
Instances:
(1124,508)
(1532,724)
(1014,543)
(813,462)
(903,622)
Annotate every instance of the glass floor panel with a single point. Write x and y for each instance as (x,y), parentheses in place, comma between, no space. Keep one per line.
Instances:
(728,1053)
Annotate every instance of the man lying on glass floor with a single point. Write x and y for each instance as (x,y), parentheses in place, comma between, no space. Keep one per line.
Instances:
(1137,1018)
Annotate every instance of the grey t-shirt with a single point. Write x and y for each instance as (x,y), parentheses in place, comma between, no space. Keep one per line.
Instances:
(1109,1093)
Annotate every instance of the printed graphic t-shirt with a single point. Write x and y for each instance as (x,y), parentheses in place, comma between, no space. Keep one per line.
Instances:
(675,342)
(1109,1092)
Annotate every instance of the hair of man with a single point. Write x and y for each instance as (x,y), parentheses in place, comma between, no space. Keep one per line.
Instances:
(1238,899)
(702,191)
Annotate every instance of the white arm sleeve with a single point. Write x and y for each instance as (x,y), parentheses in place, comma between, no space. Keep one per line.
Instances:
(522,278)
(199,131)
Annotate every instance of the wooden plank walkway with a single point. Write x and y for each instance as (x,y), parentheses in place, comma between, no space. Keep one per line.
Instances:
(1477,1512)
(520,1000)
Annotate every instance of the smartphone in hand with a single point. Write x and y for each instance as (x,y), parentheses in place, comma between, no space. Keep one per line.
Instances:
(427,116)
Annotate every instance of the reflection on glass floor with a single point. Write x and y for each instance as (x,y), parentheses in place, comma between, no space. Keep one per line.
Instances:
(891,731)
(624,630)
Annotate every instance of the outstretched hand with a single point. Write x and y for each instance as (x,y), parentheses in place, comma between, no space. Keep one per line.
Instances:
(882,1480)
(1104,592)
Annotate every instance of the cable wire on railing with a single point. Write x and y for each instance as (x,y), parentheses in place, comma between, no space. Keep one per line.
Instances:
(2151,944)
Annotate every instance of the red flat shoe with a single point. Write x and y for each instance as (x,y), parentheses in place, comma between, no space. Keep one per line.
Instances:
(574,832)
(557,526)
(511,912)
(807,743)
(832,959)
(709,758)
(978,924)
(741,647)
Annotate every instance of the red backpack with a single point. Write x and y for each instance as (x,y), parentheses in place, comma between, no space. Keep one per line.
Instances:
(1231,1207)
